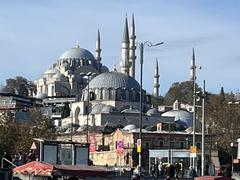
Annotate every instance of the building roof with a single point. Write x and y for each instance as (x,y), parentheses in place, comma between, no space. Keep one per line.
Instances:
(113,80)
(180,115)
(77,53)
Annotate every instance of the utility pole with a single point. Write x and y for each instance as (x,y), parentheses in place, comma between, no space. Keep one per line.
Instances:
(203,129)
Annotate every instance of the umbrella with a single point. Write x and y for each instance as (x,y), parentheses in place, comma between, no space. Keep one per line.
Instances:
(35,168)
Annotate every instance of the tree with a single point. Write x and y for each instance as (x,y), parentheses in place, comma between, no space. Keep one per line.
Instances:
(156,101)
(183,92)
(21,85)
(223,118)
(17,136)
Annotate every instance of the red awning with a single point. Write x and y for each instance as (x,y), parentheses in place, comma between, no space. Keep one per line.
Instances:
(35,168)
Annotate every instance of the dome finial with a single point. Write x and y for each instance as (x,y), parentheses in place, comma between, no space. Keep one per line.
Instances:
(77,45)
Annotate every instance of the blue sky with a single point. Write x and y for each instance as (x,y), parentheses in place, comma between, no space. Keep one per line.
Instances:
(34,34)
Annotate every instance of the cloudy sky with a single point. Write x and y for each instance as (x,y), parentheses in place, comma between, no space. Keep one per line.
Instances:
(34,34)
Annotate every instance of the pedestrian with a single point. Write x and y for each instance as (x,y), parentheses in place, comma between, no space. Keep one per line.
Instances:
(171,171)
(152,169)
(31,156)
(192,172)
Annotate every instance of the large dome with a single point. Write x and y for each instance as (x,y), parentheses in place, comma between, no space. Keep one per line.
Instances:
(77,53)
(113,80)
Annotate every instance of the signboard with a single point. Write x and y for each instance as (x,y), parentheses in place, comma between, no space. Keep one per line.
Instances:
(120,147)
(92,141)
(33,147)
(139,145)
(193,155)
(193,149)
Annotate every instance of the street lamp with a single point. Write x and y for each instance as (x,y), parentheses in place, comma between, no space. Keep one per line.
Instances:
(193,78)
(141,46)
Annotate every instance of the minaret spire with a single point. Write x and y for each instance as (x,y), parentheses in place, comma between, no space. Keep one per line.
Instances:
(132,56)
(156,80)
(98,48)
(192,67)
(125,50)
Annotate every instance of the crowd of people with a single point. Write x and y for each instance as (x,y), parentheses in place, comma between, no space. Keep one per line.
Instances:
(172,171)
(18,159)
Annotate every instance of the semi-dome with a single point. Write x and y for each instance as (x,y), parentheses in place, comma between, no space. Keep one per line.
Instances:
(3,89)
(113,80)
(130,110)
(180,115)
(59,77)
(52,71)
(152,111)
(77,53)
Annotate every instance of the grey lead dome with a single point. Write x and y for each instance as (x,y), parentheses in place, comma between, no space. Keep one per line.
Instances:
(77,53)
(113,80)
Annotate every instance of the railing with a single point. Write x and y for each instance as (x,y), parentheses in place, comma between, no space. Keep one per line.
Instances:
(4,159)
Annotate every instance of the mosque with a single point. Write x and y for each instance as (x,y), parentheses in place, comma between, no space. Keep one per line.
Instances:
(102,96)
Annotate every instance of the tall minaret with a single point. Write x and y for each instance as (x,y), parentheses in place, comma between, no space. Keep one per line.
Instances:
(98,49)
(192,67)
(125,50)
(132,56)
(156,80)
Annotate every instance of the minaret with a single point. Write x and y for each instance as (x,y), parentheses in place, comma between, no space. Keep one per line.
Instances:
(132,57)
(98,49)
(125,50)
(192,67)
(156,80)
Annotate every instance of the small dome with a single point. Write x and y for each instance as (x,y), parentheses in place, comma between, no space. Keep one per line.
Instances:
(180,115)
(113,80)
(129,127)
(130,110)
(52,71)
(77,53)
(152,111)
(60,77)
(97,108)
(3,89)
(41,95)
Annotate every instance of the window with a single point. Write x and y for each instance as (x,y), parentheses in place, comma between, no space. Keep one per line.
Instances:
(198,145)
(161,144)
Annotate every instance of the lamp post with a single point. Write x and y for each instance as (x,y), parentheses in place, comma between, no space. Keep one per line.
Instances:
(193,78)
(203,129)
(141,46)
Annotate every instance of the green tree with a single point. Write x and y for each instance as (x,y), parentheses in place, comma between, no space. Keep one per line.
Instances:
(17,136)
(183,92)
(21,85)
